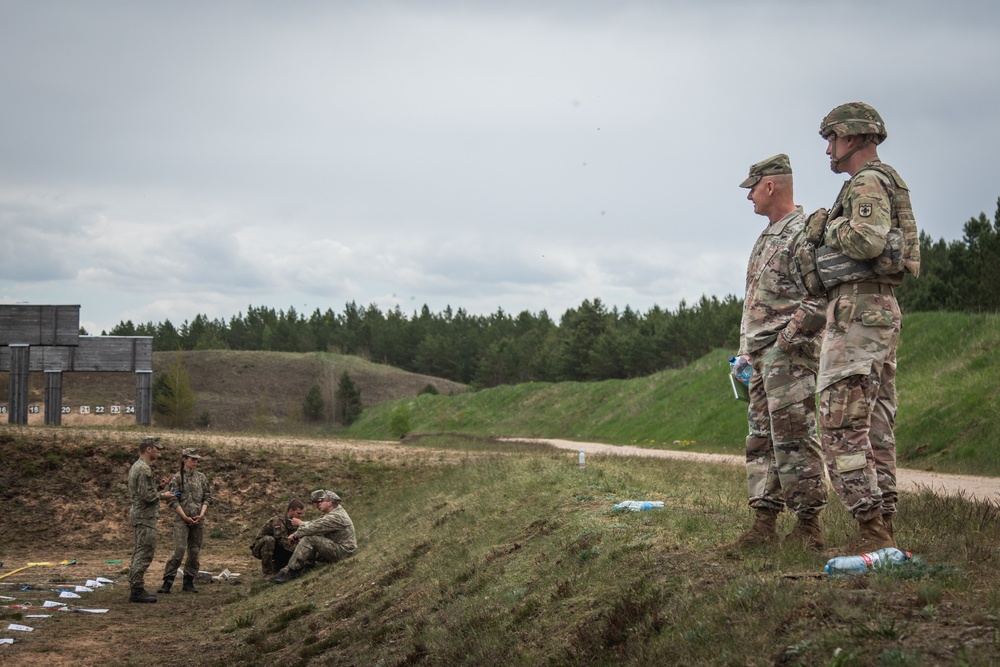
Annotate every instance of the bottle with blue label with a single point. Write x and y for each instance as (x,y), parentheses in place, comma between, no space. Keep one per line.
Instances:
(876,560)
(741,369)
(639,505)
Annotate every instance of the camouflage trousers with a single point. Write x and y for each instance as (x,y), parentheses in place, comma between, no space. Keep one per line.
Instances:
(186,538)
(316,549)
(857,402)
(272,555)
(784,459)
(143,547)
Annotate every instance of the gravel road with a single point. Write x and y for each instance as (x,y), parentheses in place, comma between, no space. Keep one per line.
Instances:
(969,486)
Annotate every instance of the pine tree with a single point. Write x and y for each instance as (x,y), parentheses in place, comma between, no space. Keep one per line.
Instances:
(313,406)
(173,399)
(348,401)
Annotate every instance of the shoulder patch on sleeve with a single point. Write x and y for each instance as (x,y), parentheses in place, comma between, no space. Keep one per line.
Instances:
(865,210)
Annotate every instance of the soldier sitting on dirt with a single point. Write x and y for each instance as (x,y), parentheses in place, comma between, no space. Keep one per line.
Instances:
(272,545)
(328,539)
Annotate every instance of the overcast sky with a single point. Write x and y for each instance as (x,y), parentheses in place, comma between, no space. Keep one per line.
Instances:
(164,159)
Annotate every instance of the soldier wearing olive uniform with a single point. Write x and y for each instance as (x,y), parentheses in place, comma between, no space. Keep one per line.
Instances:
(328,539)
(272,544)
(145,498)
(190,496)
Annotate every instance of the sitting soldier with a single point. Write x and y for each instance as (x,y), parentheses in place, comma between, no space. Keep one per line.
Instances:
(273,545)
(328,539)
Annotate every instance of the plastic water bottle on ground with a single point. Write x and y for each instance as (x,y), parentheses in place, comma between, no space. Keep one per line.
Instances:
(639,505)
(876,560)
(582,460)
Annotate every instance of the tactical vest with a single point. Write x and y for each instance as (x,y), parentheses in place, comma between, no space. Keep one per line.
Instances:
(824,267)
(902,213)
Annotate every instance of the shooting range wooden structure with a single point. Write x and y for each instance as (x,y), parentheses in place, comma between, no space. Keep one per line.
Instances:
(47,339)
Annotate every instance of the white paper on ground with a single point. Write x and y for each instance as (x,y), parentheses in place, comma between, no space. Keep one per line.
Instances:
(68,594)
(38,615)
(83,589)
(105,580)
(48,604)
(6,640)
(22,628)
(93,583)
(91,611)
(4,597)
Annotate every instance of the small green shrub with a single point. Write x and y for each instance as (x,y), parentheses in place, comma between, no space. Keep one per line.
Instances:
(399,421)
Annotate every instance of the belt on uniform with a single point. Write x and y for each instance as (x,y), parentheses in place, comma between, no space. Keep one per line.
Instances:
(849,289)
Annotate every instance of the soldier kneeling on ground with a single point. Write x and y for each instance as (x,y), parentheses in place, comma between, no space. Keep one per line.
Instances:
(273,545)
(328,539)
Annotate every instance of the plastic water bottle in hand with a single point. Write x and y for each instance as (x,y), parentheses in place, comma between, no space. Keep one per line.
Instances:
(741,369)
(639,505)
(876,560)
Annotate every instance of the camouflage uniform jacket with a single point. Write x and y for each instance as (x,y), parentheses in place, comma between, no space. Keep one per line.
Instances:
(777,301)
(196,492)
(279,527)
(862,217)
(335,525)
(144,494)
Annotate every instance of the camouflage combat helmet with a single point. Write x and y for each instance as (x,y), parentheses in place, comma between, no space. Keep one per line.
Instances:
(851,119)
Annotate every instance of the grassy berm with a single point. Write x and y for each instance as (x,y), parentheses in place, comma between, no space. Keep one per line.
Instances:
(475,552)
(948,383)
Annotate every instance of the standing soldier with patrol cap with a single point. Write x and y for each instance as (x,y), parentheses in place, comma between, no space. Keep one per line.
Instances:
(190,496)
(868,242)
(328,539)
(780,338)
(145,496)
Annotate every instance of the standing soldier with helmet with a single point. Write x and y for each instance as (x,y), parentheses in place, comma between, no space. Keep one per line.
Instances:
(866,244)
(145,496)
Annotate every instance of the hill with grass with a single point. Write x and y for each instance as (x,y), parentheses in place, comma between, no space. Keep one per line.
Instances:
(948,384)
(236,390)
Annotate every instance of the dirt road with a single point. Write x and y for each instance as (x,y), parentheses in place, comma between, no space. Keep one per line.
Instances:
(969,486)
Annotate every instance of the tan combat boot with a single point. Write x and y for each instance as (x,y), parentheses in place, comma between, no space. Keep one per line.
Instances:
(874,535)
(808,532)
(763,531)
(887,520)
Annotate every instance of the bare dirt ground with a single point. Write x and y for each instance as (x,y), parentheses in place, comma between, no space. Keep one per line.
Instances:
(64,499)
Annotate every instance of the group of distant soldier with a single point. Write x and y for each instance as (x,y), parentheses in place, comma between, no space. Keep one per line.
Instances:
(820,316)
(286,545)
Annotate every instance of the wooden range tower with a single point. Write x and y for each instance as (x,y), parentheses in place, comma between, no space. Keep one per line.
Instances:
(47,339)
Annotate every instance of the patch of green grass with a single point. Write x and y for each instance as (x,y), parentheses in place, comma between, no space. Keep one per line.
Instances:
(947,385)
(518,560)
(281,621)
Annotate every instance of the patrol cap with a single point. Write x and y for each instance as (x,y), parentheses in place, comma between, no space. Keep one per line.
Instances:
(320,495)
(772,166)
(150,441)
(191,453)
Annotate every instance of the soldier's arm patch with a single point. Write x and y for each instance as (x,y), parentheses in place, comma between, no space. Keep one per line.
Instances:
(865,210)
